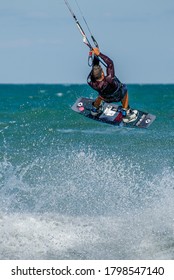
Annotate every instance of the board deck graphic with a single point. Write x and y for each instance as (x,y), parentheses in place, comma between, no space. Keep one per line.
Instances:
(111,114)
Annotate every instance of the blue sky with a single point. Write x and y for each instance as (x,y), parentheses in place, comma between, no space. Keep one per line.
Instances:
(40,42)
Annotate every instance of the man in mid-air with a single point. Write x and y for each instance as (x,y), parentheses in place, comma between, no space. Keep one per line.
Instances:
(109,87)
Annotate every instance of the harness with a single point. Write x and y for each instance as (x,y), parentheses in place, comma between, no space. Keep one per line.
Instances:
(110,96)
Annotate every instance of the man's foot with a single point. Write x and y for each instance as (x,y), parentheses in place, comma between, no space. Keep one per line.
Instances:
(96,111)
(129,115)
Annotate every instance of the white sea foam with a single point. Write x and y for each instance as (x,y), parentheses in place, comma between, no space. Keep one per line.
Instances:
(77,206)
(52,236)
(59,94)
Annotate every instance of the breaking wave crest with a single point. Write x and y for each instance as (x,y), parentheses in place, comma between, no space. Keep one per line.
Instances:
(54,211)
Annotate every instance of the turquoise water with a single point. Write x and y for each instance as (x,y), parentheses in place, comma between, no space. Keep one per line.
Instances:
(72,188)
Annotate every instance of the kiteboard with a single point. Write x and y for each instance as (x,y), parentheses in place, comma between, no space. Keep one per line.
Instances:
(111,114)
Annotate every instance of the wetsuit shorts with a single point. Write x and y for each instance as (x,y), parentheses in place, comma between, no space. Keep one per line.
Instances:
(117,96)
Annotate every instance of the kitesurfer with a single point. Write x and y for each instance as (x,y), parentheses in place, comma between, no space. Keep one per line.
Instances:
(109,87)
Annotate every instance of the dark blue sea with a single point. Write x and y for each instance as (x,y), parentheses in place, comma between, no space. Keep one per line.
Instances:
(72,188)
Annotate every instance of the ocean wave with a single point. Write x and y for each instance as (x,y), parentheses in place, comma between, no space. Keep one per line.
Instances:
(53,236)
(77,206)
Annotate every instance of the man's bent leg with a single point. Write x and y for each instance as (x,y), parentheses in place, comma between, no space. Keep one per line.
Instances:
(96,108)
(125,101)
(97,103)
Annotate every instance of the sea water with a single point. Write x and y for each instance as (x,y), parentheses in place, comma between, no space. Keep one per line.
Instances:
(73,188)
